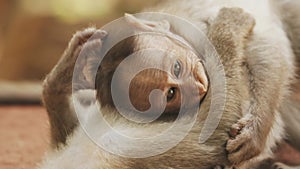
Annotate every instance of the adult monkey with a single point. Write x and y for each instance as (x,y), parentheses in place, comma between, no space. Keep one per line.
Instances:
(202,155)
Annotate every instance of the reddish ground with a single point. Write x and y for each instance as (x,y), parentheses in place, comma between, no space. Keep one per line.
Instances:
(24,136)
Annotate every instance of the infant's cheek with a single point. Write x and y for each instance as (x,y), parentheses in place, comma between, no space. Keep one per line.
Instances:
(190,97)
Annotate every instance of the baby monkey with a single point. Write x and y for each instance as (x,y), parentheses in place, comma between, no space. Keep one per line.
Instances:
(175,70)
(227,33)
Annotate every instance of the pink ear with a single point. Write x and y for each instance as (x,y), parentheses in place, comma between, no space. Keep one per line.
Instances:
(147,25)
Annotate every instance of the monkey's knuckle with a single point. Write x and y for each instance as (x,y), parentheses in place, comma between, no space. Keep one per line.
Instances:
(99,34)
(81,37)
(234,132)
(237,125)
(86,32)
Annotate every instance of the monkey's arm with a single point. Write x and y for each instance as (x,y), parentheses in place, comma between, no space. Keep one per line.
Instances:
(228,33)
(57,87)
(269,72)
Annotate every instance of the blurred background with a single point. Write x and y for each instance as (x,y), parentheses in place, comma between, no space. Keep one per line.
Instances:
(34,34)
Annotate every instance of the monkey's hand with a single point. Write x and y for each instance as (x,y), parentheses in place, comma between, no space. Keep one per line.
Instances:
(57,86)
(228,33)
(246,141)
(85,43)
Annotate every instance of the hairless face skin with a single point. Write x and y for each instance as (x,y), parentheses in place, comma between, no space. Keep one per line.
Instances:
(183,80)
(177,71)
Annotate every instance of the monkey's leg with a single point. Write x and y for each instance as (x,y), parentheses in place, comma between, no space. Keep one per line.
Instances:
(228,34)
(57,88)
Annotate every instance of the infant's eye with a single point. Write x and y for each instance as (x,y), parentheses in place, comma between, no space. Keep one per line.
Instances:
(171,93)
(177,68)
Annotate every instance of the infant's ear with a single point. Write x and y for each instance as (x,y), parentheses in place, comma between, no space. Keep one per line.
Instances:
(147,25)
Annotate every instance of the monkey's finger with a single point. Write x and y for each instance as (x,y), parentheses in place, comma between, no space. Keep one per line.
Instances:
(87,62)
(91,48)
(99,34)
(78,39)
(245,152)
(234,145)
(86,65)
(235,129)
(243,147)
(67,62)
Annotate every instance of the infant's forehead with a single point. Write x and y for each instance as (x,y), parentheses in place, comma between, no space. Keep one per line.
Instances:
(156,51)
(159,41)
(166,46)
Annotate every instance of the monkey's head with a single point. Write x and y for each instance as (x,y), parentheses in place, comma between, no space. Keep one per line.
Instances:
(173,68)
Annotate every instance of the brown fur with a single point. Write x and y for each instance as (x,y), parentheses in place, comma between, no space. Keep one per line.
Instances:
(242,62)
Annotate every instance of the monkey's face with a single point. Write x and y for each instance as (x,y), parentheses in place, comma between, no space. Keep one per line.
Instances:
(171,66)
(181,77)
